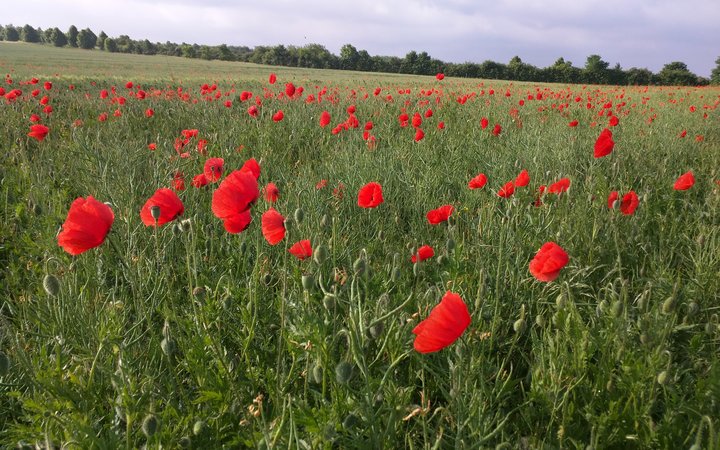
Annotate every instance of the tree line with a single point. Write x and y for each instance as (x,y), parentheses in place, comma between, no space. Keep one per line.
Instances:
(595,70)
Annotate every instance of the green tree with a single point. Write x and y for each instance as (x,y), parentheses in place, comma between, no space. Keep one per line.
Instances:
(101,40)
(409,62)
(676,73)
(639,77)
(29,34)
(71,35)
(110,45)
(11,34)
(86,39)
(715,74)
(57,37)
(348,57)
(2,33)
(596,70)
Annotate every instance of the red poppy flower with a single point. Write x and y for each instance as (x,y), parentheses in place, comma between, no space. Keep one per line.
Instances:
(170,207)
(324,119)
(252,111)
(178,182)
(370,195)
(522,179)
(199,181)
(484,123)
(86,226)
(301,249)
(573,124)
(478,182)
(152,146)
(497,130)
(273,226)
(129,84)
(232,200)
(441,125)
(34,118)
(612,198)
(213,169)
(272,78)
(320,184)
(560,186)
(440,214)
(507,191)
(289,89)
(47,85)
(684,181)
(102,117)
(278,116)
(440,76)
(445,324)
(683,133)
(38,132)
(629,203)
(613,121)
(252,166)
(424,253)
(271,192)
(149,112)
(604,144)
(419,135)
(416,120)
(548,261)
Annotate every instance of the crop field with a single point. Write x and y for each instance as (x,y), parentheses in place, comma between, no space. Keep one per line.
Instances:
(207,254)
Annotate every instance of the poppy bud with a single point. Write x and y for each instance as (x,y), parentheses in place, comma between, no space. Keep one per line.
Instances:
(343,372)
(617,308)
(321,254)
(299,215)
(155,212)
(669,305)
(692,309)
(450,244)
(519,326)
(199,292)
(376,330)
(4,364)
(166,329)
(185,442)
(540,321)
(51,285)
(317,374)
(308,281)
(199,427)
(442,259)
(168,346)
(561,301)
(329,301)
(644,339)
(185,225)
(150,425)
(663,378)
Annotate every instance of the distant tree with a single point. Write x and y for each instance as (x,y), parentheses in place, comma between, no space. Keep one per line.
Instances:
(518,70)
(71,35)
(29,34)
(125,44)
(617,76)
(2,33)
(101,40)
(188,51)
(638,77)
(715,74)
(11,34)
(348,57)
(110,45)
(364,61)
(492,70)
(315,56)
(86,39)
(676,73)
(596,70)
(408,63)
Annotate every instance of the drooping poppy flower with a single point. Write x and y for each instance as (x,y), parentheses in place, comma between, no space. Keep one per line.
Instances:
(423,253)
(612,198)
(86,226)
(170,207)
(278,116)
(629,203)
(522,179)
(324,119)
(38,132)
(272,78)
(273,226)
(370,195)
(604,144)
(560,186)
(440,214)
(548,262)
(252,166)
(271,192)
(445,324)
(199,180)
(507,190)
(301,250)
(232,200)
(684,181)
(478,182)
(213,169)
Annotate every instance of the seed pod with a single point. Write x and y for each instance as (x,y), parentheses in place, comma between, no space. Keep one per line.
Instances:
(329,301)
(168,346)
(51,285)
(199,427)
(150,425)
(308,281)
(155,212)
(321,254)
(669,305)
(317,374)
(450,244)
(4,364)
(519,326)
(299,215)
(343,372)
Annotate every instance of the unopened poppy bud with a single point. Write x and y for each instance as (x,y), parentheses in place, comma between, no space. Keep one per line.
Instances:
(442,259)
(669,305)
(308,281)
(663,378)
(395,274)
(519,326)
(329,301)
(150,425)
(450,244)
(540,321)
(199,292)
(325,221)
(317,374)
(321,254)
(561,301)
(4,364)
(51,285)
(692,309)
(155,212)
(376,329)
(618,308)
(185,442)
(343,372)
(168,346)
(166,329)
(199,427)
(185,225)
(299,215)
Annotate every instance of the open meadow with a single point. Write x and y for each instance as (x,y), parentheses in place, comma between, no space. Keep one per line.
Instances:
(208,254)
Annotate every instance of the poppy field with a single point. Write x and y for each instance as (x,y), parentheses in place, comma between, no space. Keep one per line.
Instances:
(263,258)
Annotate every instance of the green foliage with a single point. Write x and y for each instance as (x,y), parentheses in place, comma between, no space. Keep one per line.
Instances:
(86,39)
(30,34)
(72,36)
(11,33)
(715,74)
(677,74)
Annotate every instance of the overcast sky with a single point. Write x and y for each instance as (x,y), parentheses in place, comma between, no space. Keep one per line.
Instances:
(634,33)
